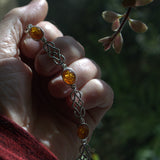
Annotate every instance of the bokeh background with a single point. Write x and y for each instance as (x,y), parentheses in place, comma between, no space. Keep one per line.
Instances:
(131,129)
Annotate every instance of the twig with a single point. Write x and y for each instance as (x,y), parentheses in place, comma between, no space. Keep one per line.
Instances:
(123,23)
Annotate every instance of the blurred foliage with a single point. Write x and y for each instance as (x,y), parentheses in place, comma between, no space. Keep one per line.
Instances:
(131,129)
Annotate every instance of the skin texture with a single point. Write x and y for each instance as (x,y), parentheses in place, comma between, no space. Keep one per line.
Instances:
(32,92)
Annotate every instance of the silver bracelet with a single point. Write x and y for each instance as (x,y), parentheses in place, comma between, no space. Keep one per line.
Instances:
(69,77)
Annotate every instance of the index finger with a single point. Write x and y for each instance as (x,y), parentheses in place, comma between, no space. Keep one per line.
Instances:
(30,48)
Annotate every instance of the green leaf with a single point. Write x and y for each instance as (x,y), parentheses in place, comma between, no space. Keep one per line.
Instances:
(95,156)
(110,16)
(137,26)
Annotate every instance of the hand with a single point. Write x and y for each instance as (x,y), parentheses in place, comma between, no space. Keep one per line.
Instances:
(32,92)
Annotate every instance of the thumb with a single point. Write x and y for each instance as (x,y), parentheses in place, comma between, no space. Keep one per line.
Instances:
(13,24)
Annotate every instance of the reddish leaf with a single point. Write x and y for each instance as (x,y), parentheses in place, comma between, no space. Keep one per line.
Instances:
(118,43)
(116,25)
(106,41)
(142,2)
(138,26)
(135,3)
(110,16)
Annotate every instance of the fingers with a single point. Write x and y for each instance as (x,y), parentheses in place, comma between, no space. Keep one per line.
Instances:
(32,13)
(97,93)
(13,24)
(30,48)
(98,98)
(68,46)
(84,69)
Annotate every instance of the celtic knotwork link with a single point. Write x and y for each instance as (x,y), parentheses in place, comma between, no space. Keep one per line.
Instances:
(85,152)
(79,112)
(54,53)
(78,103)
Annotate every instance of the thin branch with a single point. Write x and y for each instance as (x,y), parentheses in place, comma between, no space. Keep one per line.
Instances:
(123,23)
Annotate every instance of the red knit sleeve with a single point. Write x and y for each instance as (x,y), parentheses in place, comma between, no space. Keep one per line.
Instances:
(17,144)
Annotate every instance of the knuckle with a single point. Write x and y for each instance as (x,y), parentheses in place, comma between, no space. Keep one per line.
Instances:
(107,95)
(14,12)
(98,68)
(70,45)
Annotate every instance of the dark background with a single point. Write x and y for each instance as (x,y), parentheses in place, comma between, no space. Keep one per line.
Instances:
(131,129)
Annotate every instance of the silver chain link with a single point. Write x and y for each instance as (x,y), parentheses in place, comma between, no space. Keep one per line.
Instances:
(54,53)
(85,153)
(78,104)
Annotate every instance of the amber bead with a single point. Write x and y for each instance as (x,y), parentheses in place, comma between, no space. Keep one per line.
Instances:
(83,131)
(36,33)
(69,76)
